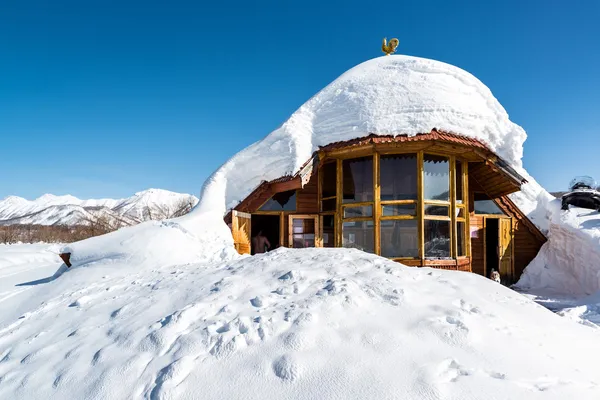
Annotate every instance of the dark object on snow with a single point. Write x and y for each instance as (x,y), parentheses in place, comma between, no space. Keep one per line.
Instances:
(66,257)
(583,194)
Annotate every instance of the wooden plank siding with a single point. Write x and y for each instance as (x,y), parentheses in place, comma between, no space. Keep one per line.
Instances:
(307,199)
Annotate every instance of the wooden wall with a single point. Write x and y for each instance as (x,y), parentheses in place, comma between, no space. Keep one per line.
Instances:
(307,197)
(527,246)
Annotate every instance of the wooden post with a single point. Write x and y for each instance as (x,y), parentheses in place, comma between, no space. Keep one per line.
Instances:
(466,201)
(453,241)
(420,207)
(338,207)
(376,203)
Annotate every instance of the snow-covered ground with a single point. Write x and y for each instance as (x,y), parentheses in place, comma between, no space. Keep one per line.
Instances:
(305,324)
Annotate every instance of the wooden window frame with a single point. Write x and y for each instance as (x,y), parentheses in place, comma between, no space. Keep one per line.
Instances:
(292,217)
(420,203)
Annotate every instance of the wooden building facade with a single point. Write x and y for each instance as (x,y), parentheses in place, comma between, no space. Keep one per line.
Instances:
(435,199)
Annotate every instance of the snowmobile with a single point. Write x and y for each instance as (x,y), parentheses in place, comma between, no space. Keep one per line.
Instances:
(583,193)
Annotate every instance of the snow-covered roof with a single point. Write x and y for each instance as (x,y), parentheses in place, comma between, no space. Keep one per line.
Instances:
(387,95)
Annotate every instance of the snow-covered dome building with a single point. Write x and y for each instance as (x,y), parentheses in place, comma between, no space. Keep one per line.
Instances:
(408,158)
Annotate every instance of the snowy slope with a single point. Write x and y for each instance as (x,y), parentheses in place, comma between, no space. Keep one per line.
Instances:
(293,324)
(69,210)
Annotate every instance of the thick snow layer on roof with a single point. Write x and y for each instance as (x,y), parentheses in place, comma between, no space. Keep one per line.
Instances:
(387,95)
(289,324)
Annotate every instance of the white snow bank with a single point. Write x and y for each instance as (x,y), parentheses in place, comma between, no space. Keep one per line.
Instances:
(295,324)
(569,263)
(387,95)
(158,243)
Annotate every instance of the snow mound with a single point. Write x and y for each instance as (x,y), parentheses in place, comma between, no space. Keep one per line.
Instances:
(387,95)
(569,263)
(311,323)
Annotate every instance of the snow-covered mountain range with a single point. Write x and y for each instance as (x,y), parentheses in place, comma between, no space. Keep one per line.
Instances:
(69,210)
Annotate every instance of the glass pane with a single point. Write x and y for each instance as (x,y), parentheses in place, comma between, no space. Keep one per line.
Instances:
(359,211)
(460,212)
(303,225)
(437,239)
(399,238)
(398,209)
(485,205)
(460,238)
(358,180)
(436,179)
(328,205)
(284,201)
(303,232)
(328,188)
(436,210)
(398,177)
(303,240)
(358,235)
(459,182)
(328,230)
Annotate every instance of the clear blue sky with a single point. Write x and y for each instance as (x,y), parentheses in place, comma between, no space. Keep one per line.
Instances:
(105,98)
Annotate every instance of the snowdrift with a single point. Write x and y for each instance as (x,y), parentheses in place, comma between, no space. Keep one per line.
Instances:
(294,324)
(569,263)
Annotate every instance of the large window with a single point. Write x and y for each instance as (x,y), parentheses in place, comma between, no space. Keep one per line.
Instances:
(398,227)
(436,207)
(421,211)
(357,210)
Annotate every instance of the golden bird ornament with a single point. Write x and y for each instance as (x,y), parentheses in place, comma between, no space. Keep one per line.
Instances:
(389,48)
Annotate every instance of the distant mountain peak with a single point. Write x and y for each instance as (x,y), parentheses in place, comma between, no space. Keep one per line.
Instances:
(50,209)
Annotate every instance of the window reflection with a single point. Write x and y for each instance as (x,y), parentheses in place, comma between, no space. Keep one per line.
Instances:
(436,178)
(284,201)
(303,232)
(437,239)
(399,238)
(483,204)
(459,182)
(398,209)
(358,235)
(358,180)
(398,177)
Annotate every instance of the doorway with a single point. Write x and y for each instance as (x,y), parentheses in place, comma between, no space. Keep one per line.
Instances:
(270,227)
(492,259)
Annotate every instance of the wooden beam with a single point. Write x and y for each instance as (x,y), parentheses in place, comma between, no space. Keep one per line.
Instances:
(338,207)
(376,203)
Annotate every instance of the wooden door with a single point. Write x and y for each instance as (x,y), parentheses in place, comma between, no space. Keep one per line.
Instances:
(240,229)
(505,249)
